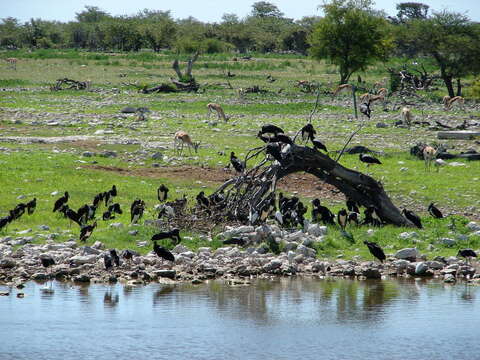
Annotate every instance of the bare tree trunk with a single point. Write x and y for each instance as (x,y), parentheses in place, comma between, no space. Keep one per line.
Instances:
(459,87)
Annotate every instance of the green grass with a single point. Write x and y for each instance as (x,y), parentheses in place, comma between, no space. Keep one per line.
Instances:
(456,189)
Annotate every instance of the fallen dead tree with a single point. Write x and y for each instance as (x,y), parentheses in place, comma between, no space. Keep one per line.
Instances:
(185,82)
(254,188)
(69,84)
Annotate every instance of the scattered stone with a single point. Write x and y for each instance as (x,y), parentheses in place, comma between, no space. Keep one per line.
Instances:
(407,254)
(157,156)
(82,278)
(448,241)
(170,274)
(7,263)
(109,154)
(116,225)
(88,154)
(43,227)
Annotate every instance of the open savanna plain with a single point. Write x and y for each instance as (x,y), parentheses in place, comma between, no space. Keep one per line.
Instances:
(80,142)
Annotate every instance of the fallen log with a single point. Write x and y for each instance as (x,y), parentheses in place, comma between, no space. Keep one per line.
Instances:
(251,190)
(69,84)
(459,135)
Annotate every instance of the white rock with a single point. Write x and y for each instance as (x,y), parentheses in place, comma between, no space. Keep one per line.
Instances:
(407,253)
(408,235)
(306,251)
(81,260)
(456,164)
(421,268)
(448,241)
(178,249)
(472,225)
(55,193)
(316,230)
(116,225)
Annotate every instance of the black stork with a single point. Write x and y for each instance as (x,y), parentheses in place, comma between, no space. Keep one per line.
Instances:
(365,109)
(308,132)
(318,145)
(433,210)
(467,254)
(202,200)
(173,234)
(236,163)
(87,231)
(107,260)
(412,217)
(31,206)
(115,257)
(368,159)
(234,241)
(162,193)
(163,252)
(273,149)
(271,129)
(61,201)
(375,250)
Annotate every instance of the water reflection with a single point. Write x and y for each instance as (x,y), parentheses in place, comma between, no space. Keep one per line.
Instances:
(267,319)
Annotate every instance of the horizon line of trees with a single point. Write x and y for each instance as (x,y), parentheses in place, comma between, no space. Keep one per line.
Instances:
(351,35)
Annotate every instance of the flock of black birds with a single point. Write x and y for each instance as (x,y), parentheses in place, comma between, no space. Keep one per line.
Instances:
(289,213)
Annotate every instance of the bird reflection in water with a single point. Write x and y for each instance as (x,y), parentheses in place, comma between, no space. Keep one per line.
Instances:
(161,293)
(110,300)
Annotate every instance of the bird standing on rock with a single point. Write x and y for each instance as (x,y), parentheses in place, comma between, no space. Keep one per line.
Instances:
(368,159)
(61,201)
(162,252)
(467,254)
(375,250)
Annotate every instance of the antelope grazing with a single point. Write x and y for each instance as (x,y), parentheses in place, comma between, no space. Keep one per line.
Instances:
(374,98)
(429,153)
(181,139)
(215,107)
(340,88)
(407,115)
(448,102)
(383,92)
(12,63)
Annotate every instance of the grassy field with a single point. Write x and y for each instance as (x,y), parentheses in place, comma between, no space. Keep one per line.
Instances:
(31,165)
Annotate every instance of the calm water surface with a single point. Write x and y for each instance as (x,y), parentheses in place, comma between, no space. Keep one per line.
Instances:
(281,319)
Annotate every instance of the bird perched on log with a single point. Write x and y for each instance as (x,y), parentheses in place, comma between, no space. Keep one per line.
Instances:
(317,144)
(273,149)
(234,241)
(162,193)
(365,109)
(86,231)
(308,132)
(61,201)
(375,250)
(467,254)
(31,205)
(271,129)
(115,257)
(368,159)
(412,217)
(173,234)
(283,139)
(433,210)
(342,218)
(162,252)
(237,164)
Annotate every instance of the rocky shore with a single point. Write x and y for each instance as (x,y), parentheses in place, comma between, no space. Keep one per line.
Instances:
(20,261)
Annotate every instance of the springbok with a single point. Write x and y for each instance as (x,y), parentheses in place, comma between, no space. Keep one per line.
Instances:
(429,153)
(340,88)
(407,115)
(181,139)
(215,107)
(383,92)
(448,102)
(12,63)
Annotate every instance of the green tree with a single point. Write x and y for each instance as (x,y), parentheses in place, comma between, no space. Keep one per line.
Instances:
(265,9)
(351,36)
(453,41)
(412,10)
(92,14)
